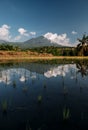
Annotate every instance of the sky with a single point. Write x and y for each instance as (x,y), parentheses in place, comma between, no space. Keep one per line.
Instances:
(62,21)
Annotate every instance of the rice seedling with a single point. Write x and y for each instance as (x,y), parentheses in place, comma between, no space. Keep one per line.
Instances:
(44,85)
(39,98)
(82,115)
(65,91)
(81,88)
(28,126)
(14,83)
(4,106)
(39,128)
(25,89)
(66,113)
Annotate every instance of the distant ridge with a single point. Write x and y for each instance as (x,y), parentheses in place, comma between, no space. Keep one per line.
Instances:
(3,41)
(40,41)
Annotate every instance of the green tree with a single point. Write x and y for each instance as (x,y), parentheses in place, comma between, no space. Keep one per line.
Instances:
(82,47)
(7,47)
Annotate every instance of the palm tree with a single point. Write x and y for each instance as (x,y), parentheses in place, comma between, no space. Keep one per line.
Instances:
(82,68)
(82,47)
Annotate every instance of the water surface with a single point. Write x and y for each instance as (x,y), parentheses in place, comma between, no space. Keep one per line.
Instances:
(44,95)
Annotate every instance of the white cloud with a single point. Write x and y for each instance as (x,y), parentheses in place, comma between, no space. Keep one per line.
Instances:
(5,26)
(74,32)
(5,32)
(76,43)
(23,32)
(32,33)
(59,39)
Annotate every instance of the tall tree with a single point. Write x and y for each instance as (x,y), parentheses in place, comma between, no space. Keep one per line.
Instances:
(82,47)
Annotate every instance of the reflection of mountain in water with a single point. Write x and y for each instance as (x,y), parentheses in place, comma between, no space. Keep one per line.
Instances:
(31,71)
(48,70)
(39,68)
(33,67)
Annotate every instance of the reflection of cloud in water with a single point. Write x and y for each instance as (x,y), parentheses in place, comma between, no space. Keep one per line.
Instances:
(61,70)
(4,77)
(22,79)
(21,74)
(33,76)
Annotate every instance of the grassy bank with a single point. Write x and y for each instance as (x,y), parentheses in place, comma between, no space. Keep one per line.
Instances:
(41,57)
(12,55)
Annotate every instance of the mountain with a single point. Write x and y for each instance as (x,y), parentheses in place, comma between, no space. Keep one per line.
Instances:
(2,41)
(38,42)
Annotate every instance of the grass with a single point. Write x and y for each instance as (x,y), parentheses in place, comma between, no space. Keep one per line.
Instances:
(42,57)
(4,106)
(65,91)
(28,128)
(25,89)
(14,83)
(66,113)
(39,98)
(22,55)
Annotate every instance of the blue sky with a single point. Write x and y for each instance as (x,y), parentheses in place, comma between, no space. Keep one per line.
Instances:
(23,19)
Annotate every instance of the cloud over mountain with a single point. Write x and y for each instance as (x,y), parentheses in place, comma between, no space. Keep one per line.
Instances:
(59,39)
(23,33)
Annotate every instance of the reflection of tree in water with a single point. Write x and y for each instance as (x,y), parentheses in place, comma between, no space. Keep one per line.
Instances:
(82,68)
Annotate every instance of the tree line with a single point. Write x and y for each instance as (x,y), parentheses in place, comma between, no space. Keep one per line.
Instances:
(80,50)
(56,51)
(8,47)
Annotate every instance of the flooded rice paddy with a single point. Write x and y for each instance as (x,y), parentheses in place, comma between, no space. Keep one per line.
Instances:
(44,95)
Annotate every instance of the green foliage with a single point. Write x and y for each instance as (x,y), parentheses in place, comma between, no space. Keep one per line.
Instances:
(8,47)
(56,51)
(39,98)
(4,106)
(82,47)
(66,114)
(80,50)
